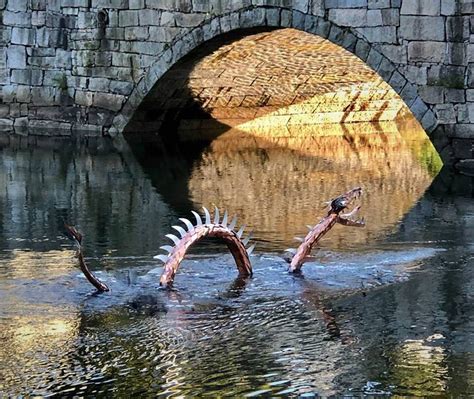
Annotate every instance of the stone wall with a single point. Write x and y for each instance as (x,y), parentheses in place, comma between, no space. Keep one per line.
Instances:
(84,66)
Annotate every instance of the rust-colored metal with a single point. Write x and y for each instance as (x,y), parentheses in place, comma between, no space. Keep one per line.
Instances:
(74,235)
(197,232)
(337,205)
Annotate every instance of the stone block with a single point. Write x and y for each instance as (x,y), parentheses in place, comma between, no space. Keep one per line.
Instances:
(445,113)
(136,4)
(470,75)
(345,3)
(118,4)
(286,17)
(459,53)
(457,29)
(409,94)
(419,108)
(448,7)
(42,37)
(428,121)
(379,34)
(470,95)
(432,94)
(38,18)
(128,18)
(136,33)
(112,102)
(273,17)
(16,57)
(362,49)
(301,5)
(317,8)
(385,69)
(447,76)
(83,98)
(150,17)
(123,88)
(63,59)
(17,5)
(43,96)
(164,34)
(23,36)
(421,28)
(99,84)
(298,20)
(395,53)
(421,7)
(462,131)
(86,20)
(349,17)
(189,20)
(426,51)
(462,115)
(23,94)
(391,17)
(454,95)
(150,48)
(397,81)
(470,111)
(379,4)
(6,125)
(374,59)
(4,110)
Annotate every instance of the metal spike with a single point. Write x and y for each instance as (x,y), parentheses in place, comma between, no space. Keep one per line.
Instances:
(233,223)
(216,215)
(180,230)
(167,248)
(224,219)
(250,250)
(298,239)
(309,227)
(173,238)
(291,250)
(163,258)
(188,224)
(241,231)
(246,241)
(208,215)
(198,218)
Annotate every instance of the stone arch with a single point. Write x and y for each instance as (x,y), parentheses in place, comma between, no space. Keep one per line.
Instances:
(276,17)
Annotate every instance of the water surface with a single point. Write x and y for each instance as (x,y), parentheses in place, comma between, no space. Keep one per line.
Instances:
(384,310)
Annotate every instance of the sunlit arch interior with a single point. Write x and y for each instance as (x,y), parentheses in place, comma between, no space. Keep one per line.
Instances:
(296,118)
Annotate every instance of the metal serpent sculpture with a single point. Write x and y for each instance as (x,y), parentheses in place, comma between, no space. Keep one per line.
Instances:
(237,246)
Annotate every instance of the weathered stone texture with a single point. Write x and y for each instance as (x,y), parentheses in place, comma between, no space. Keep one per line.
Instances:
(58,52)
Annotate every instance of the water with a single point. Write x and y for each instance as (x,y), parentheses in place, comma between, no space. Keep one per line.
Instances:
(384,310)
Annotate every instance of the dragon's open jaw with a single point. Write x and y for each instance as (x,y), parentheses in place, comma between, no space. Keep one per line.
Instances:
(343,202)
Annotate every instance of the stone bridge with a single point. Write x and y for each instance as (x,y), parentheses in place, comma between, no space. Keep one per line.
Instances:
(83,67)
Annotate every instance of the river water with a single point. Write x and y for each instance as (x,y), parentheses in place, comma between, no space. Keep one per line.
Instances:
(383,310)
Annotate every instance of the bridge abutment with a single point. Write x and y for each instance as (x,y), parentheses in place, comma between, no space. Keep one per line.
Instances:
(82,67)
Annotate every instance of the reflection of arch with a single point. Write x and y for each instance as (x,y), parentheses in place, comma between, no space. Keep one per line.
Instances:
(274,17)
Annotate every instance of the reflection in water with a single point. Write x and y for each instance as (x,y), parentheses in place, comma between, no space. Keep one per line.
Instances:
(276,333)
(278,180)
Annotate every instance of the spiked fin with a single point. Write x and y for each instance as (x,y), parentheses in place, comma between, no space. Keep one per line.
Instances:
(309,227)
(216,215)
(298,239)
(291,250)
(233,223)
(188,224)
(167,248)
(208,215)
(180,230)
(246,241)
(163,258)
(250,250)
(224,219)
(198,218)
(241,231)
(173,238)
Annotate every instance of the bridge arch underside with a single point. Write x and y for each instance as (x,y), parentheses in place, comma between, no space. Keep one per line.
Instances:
(269,83)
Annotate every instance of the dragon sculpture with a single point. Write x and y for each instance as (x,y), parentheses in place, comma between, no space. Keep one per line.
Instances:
(222,229)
